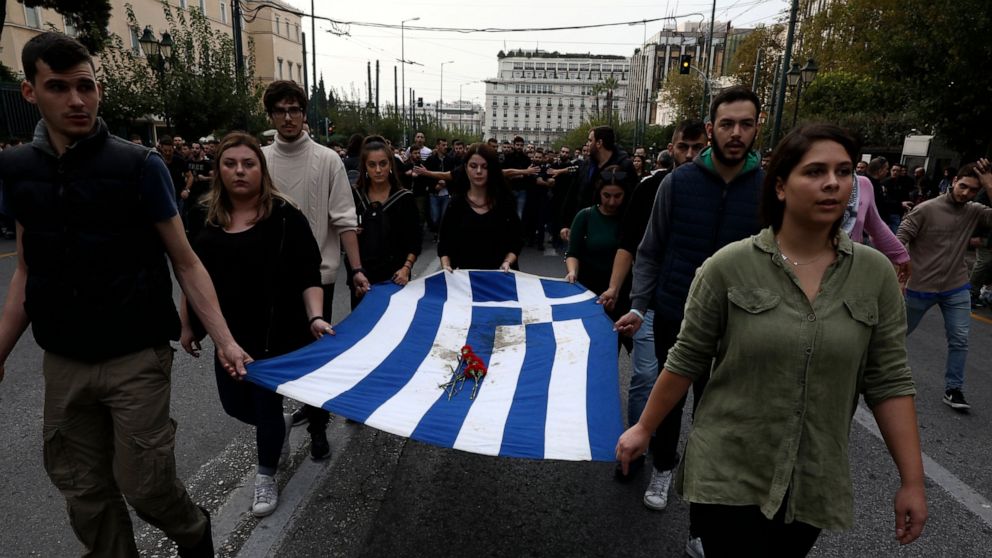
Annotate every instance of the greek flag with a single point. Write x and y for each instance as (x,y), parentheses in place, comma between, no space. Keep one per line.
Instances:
(551,390)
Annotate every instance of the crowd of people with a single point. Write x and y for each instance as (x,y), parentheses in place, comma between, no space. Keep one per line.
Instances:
(780,289)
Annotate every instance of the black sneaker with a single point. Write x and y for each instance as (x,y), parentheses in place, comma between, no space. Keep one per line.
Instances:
(319,448)
(954,399)
(300,416)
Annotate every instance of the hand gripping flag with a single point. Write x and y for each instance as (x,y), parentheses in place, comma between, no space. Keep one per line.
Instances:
(551,390)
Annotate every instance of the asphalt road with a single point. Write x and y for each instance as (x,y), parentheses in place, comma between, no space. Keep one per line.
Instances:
(381,495)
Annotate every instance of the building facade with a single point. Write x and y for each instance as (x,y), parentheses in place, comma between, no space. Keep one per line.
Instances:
(540,96)
(652,63)
(274,28)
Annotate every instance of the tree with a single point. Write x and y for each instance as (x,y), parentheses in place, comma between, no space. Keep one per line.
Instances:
(607,86)
(929,55)
(767,40)
(90,18)
(128,87)
(198,91)
(684,94)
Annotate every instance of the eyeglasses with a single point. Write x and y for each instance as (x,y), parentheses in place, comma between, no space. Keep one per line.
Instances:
(292,112)
(611,176)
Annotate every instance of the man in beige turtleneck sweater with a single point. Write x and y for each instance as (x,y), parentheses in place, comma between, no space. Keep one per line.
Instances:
(315,178)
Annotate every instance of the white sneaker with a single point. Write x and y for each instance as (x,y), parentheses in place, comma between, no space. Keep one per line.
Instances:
(284,454)
(266,496)
(694,547)
(656,495)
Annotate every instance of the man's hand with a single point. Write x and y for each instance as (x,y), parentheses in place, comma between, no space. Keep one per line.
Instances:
(628,324)
(361,283)
(903,272)
(984,168)
(608,299)
(184,194)
(632,444)
(418,170)
(911,513)
(189,342)
(233,358)
(570,276)
(564,234)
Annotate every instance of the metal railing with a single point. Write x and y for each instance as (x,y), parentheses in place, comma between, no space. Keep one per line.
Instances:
(17,116)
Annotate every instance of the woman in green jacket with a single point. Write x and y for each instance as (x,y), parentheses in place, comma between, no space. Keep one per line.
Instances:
(796,322)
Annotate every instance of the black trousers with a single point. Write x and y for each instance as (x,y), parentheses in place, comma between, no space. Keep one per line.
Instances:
(257,406)
(744,532)
(318,418)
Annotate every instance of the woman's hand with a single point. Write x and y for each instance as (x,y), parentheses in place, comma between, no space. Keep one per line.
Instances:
(911,512)
(570,277)
(632,444)
(628,324)
(189,341)
(361,284)
(319,328)
(402,276)
(608,299)
(505,266)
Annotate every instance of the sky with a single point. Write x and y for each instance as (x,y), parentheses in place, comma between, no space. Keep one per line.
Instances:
(471,57)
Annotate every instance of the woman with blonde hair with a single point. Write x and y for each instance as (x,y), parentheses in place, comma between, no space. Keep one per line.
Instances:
(265,265)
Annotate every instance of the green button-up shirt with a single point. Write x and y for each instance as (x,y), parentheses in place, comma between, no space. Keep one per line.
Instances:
(786,376)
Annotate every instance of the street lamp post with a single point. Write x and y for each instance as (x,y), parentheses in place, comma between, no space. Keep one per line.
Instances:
(403,78)
(158,54)
(441,94)
(798,77)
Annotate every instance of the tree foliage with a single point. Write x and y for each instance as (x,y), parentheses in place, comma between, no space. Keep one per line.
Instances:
(198,91)
(930,59)
(767,40)
(684,93)
(90,18)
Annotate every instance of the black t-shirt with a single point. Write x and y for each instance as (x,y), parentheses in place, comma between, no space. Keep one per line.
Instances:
(388,232)
(260,275)
(479,241)
(519,160)
(639,207)
(177,171)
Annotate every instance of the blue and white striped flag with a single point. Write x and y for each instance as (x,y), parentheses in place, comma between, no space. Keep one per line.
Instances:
(551,391)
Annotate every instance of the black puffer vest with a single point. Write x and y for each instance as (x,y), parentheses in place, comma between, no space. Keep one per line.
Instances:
(98,285)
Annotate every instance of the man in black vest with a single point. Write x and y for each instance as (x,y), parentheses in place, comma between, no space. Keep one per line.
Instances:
(96,217)
(700,207)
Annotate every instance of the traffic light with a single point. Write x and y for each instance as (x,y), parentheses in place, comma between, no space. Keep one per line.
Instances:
(420,102)
(330,126)
(685,61)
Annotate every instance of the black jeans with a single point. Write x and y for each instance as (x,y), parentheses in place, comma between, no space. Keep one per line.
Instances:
(257,406)
(665,442)
(744,532)
(318,418)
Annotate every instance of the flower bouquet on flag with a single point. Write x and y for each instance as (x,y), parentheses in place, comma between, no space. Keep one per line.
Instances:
(469,367)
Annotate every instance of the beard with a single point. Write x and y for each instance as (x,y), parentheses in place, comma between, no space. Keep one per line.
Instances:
(719,154)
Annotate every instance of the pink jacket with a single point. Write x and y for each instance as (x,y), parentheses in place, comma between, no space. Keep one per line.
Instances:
(870,221)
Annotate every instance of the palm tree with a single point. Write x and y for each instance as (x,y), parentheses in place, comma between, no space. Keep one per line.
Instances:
(607,86)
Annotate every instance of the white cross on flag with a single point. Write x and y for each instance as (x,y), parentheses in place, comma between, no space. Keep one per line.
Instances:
(551,389)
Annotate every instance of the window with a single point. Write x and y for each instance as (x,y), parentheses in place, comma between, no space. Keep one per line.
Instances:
(518,65)
(279,65)
(297,31)
(299,71)
(289,70)
(223,13)
(33,17)
(287,27)
(70,29)
(278,20)
(135,45)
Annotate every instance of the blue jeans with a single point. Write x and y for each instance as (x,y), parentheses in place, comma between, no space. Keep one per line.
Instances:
(956,308)
(521,196)
(645,369)
(438,205)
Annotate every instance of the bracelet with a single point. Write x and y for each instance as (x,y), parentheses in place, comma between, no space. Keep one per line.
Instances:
(356,271)
(637,313)
(408,265)
(315,318)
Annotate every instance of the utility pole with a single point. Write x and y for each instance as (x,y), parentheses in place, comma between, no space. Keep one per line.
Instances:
(709,64)
(377,88)
(313,39)
(306,81)
(786,62)
(239,57)
(757,68)
(396,93)
(368,68)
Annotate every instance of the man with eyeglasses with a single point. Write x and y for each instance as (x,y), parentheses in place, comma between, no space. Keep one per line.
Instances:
(315,178)
(700,207)
(936,233)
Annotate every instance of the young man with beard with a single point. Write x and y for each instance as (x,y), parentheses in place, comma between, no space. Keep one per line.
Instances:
(438,162)
(936,233)
(96,221)
(700,207)
(178,170)
(688,141)
(315,178)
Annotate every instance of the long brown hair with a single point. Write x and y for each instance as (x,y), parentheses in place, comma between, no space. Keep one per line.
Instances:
(218,201)
(370,145)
